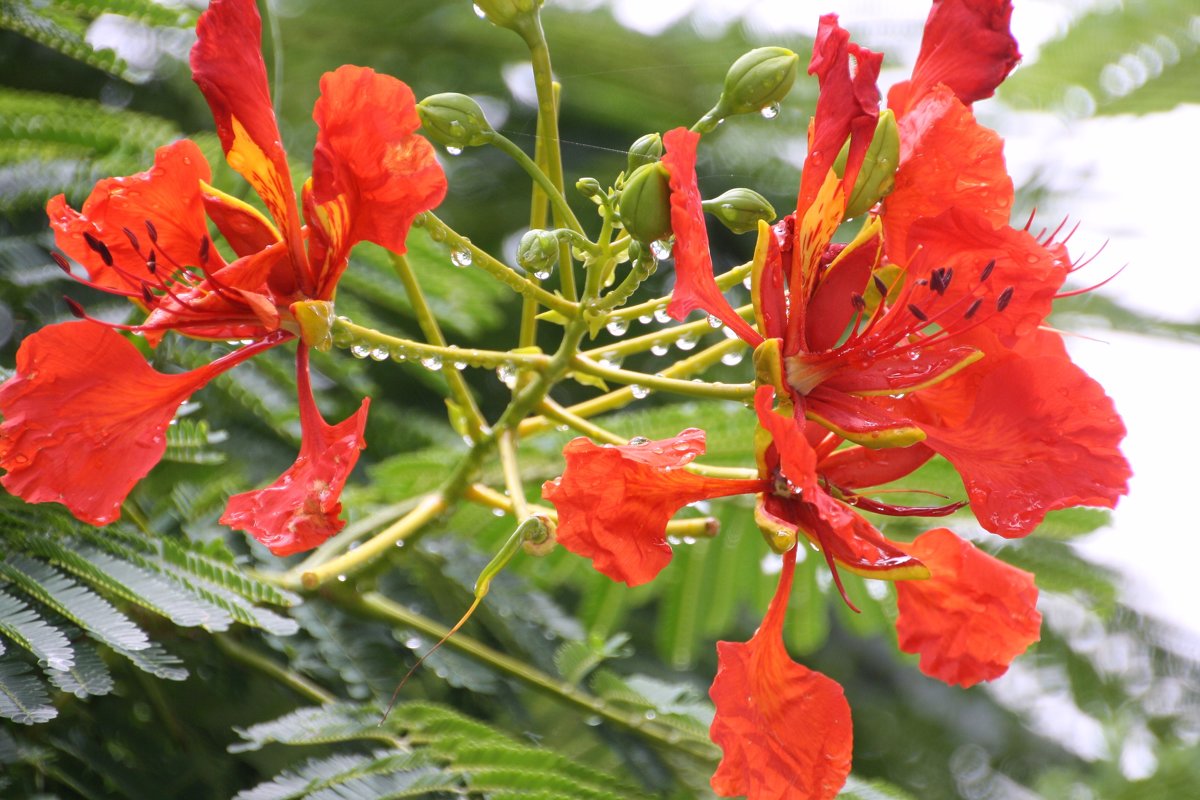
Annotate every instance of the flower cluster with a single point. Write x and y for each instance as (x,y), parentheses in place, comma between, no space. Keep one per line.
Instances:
(85,416)
(922,337)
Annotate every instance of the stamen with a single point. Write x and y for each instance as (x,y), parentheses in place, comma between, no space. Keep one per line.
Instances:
(133,240)
(76,309)
(974,307)
(918,313)
(152,262)
(880,285)
(62,264)
(151,231)
(204,243)
(987,271)
(100,248)
(1004,299)
(1074,292)
(858,301)
(148,297)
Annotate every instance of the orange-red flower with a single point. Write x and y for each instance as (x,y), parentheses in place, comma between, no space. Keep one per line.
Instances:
(145,237)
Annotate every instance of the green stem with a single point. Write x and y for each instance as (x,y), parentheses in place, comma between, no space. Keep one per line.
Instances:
(553,193)
(255,660)
(724,281)
(433,332)
(665,336)
(386,609)
(348,334)
(512,474)
(718,391)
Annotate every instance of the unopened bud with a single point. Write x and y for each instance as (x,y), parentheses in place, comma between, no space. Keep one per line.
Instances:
(645,203)
(739,210)
(454,120)
(645,150)
(877,176)
(538,250)
(507,13)
(589,187)
(757,81)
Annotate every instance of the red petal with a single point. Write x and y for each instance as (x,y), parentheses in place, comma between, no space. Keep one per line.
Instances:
(614,502)
(167,196)
(228,67)
(858,467)
(796,457)
(972,618)
(947,160)
(85,417)
(784,730)
(694,283)
(831,306)
(967,46)
(300,510)
(371,173)
(244,227)
(1041,435)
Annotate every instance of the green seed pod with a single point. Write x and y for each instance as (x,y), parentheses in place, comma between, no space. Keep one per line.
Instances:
(646,150)
(758,79)
(454,120)
(507,13)
(538,250)
(645,203)
(739,210)
(877,176)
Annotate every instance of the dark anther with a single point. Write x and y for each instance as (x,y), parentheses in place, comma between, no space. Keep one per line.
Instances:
(62,263)
(76,309)
(974,307)
(133,240)
(880,285)
(918,313)
(204,251)
(100,247)
(148,296)
(947,276)
(1004,299)
(987,271)
(937,280)
(858,301)
(152,262)
(152,231)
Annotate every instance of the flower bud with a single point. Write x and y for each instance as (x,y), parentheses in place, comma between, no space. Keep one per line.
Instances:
(589,187)
(538,250)
(454,120)
(756,81)
(507,13)
(877,176)
(739,210)
(645,203)
(645,150)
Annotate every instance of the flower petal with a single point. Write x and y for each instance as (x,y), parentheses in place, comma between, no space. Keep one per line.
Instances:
(371,173)
(789,448)
(967,46)
(972,617)
(163,202)
(614,502)
(85,417)
(785,730)
(300,510)
(859,467)
(695,286)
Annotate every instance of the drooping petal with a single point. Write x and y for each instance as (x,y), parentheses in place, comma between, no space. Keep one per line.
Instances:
(227,65)
(784,730)
(371,173)
(1041,435)
(947,160)
(972,617)
(967,46)
(614,502)
(859,467)
(301,509)
(789,448)
(244,227)
(695,286)
(85,417)
(160,207)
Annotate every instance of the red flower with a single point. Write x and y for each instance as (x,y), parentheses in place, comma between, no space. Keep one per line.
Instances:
(145,237)
(784,730)
(972,618)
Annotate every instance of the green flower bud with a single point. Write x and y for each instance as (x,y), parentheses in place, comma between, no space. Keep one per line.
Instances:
(538,250)
(877,176)
(507,13)
(589,187)
(739,210)
(756,82)
(645,150)
(454,120)
(645,203)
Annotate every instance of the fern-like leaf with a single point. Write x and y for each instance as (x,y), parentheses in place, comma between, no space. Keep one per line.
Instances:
(23,696)
(87,676)
(24,626)
(156,661)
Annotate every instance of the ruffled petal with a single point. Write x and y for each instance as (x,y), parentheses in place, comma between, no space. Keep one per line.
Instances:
(695,286)
(784,730)
(301,509)
(967,46)
(947,160)
(85,417)
(371,173)
(614,502)
(160,207)
(228,67)
(972,617)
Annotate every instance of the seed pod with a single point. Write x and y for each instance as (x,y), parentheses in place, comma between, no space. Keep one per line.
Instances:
(454,120)
(645,203)
(645,150)
(740,209)
(877,176)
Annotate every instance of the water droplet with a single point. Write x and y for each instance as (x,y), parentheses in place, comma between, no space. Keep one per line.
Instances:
(562,428)
(661,249)
(686,342)
(460,365)
(733,358)
(770,112)
(592,721)
(646,319)
(412,643)
(617,326)
(714,321)
(341,578)
(689,540)
(507,373)
(438,234)
(399,354)
(479,12)
(640,392)
(360,350)
(651,715)
(380,354)
(461,257)
(661,316)
(611,359)
(639,441)
(400,543)
(453,150)
(432,362)
(544,273)
(497,512)
(730,333)
(659,349)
